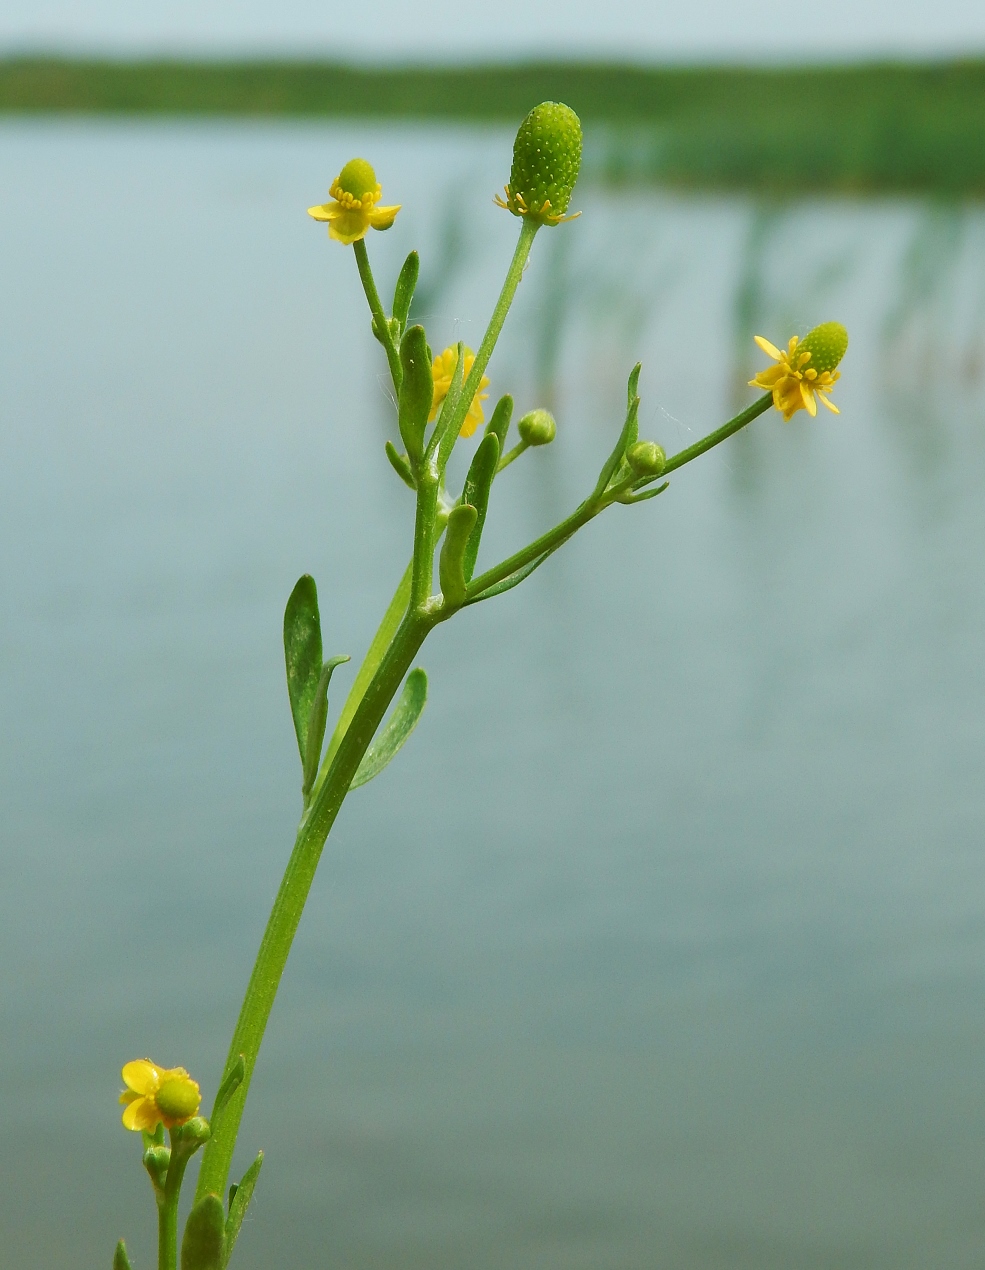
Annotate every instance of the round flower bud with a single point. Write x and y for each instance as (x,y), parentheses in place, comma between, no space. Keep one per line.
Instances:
(537,427)
(196,1131)
(827,345)
(646,458)
(546,159)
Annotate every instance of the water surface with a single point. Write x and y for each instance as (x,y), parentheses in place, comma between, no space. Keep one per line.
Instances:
(663,942)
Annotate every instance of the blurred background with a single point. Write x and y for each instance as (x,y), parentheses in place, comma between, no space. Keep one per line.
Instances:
(662,944)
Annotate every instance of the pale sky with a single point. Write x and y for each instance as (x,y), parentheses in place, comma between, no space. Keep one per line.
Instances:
(446,30)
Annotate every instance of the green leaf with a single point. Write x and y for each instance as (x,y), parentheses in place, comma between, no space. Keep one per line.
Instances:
(631,387)
(499,422)
(401,724)
(303,654)
(451,561)
(400,465)
(514,579)
(204,1244)
(232,1080)
(641,498)
(239,1199)
(627,437)
(416,392)
(120,1259)
(316,723)
(478,484)
(403,293)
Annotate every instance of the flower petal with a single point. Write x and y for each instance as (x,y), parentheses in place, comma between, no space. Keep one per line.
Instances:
(830,404)
(141,1114)
(808,397)
(383,217)
(767,347)
(348,227)
(142,1076)
(324,211)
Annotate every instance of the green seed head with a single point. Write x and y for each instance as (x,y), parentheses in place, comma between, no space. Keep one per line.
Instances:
(537,427)
(546,159)
(827,345)
(178,1099)
(646,458)
(357,178)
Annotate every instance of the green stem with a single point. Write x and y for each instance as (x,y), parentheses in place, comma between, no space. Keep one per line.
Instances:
(289,904)
(510,455)
(452,426)
(592,506)
(376,308)
(167,1234)
(381,642)
(723,433)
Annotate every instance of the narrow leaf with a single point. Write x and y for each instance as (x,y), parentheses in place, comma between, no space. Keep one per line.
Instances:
(634,380)
(239,1199)
(627,437)
(120,1259)
(230,1083)
(650,493)
(416,392)
(377,650)
(403,293)
(400,465)
(204,1244)
(499,421)
(478,484)
(401,724)
(514,579)
(451,561)
(316,723)
(302,653)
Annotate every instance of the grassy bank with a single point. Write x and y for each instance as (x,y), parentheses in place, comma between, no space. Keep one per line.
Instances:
(879,127)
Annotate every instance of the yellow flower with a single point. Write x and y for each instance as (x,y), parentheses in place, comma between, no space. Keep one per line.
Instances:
(157,1095)
(805,368)
(443,370)
(355,192)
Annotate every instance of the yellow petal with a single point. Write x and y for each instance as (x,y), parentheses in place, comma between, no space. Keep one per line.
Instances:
(324,211)
(830,404)
(767,347)
(383,217)
(142,1076)
(348,227)
(141,1114)
(809,402)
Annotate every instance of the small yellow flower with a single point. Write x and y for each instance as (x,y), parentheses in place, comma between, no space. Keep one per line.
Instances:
(805,368)
(443,371)
(157,1095)
(355,192)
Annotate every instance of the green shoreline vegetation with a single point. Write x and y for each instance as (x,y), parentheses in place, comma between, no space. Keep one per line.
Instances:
(887,127)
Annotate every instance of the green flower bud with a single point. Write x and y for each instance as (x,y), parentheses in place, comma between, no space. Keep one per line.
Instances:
(537,427)
(646,458)
(546,159)
(827,345)
(156,1160)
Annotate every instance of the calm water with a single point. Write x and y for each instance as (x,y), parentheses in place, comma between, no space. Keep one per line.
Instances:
(663,943)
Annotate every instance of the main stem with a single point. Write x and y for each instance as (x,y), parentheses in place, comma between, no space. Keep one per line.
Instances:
(289,904)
